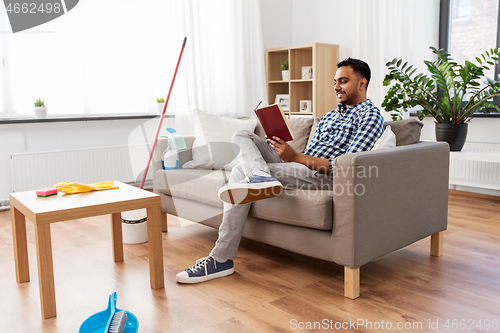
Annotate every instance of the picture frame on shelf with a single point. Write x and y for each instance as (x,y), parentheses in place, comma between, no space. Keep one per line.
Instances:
(307,72)
(305,106)
(283,100)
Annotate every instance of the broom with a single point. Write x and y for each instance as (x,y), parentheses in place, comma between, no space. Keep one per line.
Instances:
(161,117)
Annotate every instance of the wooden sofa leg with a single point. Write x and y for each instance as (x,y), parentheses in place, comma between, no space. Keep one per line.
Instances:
(437,244)
(351,283)
(164,226)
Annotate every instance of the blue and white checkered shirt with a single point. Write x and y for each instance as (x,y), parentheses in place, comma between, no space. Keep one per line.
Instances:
(346,130)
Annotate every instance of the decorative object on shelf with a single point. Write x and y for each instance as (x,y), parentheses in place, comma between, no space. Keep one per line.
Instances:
(307,72)
(160,103)
(461,93)
(284,101)
(305,106)
(285,72)
(40,109)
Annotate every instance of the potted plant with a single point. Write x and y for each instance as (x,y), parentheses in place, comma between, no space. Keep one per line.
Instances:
(160,101)
(460,93)
(285,73)
(40,109)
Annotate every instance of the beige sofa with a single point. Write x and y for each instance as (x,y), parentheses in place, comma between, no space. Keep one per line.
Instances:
(382,201)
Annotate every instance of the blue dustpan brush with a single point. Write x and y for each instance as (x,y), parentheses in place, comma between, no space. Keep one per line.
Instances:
(111,320)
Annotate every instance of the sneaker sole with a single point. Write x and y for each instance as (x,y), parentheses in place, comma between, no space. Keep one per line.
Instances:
(198,279)
(240,194)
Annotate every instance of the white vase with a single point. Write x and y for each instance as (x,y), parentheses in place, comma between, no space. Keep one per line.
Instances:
(40,112)
(285,75)
(159,107)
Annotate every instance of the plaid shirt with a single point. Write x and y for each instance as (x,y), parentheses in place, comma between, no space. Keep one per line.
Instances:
(346,130)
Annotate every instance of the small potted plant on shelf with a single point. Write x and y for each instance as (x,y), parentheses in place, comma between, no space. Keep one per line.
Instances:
(160,101)
(285,73)
(461,93)
(40,109)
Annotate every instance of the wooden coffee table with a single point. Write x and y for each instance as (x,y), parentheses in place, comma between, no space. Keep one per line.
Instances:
(44,211)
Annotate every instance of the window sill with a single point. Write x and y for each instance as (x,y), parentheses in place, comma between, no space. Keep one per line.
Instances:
(20,119)
(492,114)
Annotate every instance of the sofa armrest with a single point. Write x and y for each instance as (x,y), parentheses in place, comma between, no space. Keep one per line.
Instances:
(387,199)
(160,147)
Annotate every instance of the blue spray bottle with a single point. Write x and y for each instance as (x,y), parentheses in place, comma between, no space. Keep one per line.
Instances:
(170,158)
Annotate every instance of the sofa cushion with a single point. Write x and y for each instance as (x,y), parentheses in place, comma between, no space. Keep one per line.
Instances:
(300,128)
(305,208)
(313,129)
(212,148)
(407,131)
(195,184)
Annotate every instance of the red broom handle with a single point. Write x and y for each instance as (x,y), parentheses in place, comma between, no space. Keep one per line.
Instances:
(162,115)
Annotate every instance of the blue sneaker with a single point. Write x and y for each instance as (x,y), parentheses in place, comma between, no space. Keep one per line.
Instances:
(251,189)
(206,269)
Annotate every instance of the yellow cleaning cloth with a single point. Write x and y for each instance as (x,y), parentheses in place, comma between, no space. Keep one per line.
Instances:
(72,188)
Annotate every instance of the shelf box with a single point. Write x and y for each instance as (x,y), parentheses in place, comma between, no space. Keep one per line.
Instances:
(300,91)
(275,89)
(299,58)
(274,60)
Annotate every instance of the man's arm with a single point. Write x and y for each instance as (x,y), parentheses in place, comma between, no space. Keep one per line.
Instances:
(286,152)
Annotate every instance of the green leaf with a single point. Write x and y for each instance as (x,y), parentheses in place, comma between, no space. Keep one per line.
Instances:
(479,60)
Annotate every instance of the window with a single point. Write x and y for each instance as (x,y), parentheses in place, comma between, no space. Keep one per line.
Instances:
(102,57)
(460,9)
(468,28)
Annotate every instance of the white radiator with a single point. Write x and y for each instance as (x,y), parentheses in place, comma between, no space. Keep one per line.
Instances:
(31,171)
(477,165)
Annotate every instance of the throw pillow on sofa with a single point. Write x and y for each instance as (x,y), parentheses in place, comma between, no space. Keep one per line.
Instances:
(407,131)
(212,147)
(387,140)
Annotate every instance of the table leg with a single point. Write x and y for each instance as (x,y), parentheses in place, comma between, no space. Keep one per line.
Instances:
(45,270)
(155,248)
(20,246)
(164,224)
(117,236)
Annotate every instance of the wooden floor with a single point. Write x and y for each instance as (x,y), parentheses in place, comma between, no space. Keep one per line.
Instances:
(272,290)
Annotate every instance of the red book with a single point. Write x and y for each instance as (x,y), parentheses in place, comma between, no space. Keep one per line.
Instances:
(274,122)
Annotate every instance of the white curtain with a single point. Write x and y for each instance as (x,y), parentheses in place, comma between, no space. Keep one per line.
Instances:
(118,56)
(388,29)
(224,71)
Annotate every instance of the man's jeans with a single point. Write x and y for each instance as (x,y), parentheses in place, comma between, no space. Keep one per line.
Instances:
(256,155)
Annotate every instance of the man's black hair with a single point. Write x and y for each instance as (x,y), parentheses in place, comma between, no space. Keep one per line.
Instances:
(359,67)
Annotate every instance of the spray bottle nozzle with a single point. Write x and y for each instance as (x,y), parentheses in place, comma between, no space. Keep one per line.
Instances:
(170,130)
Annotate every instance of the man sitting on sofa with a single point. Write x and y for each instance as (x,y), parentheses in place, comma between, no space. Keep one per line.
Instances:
(267,165)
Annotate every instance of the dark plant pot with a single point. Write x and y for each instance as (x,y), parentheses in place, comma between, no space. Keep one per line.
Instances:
(454,134)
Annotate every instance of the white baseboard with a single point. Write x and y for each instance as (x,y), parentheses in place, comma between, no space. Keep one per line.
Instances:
(475,190)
